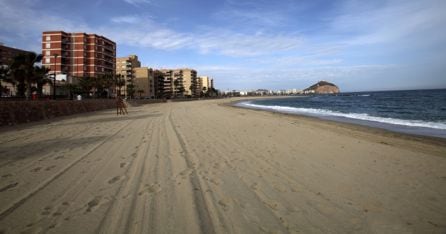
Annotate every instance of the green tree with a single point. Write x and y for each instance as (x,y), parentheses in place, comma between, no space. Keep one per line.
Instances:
(195,87)
(181,91)
(159,84)
(4,77)
(25,73)
(178,88)
(119,82)
(131,90)
(204,91)
(72,89)
(42,79)
(176,83)
(86,85)
(212,92)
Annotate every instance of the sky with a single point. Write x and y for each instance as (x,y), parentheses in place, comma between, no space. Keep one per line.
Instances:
(252,44)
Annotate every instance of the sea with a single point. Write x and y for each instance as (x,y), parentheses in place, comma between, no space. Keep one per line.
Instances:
(418,112)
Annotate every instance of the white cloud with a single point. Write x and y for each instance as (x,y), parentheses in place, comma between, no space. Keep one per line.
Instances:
(240,17)
(138,2)
(151,35)
(238,44)
(393,21)
(131,19)
(21,22)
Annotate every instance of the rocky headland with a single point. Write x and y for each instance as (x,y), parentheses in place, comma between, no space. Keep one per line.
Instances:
(322,87)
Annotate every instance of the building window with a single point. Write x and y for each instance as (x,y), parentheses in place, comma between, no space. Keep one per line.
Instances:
(47,60)
(48,38)
(48,45)
(47,52)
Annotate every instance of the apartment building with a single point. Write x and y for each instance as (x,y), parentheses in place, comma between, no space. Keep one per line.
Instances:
(165,83)
(144,82)
(7,54)
(178,82)
(125,67)
(78,54)
(189,77)
(204,83)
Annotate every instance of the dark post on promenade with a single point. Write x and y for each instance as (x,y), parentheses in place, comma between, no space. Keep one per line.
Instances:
(54,84)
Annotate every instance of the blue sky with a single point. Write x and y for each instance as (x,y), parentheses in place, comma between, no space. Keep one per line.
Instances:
(250,44)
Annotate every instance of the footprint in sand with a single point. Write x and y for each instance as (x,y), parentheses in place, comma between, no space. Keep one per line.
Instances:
(186,173)
(114,179)
(9,186)
(50,167)
(122,164)
(6,176)
(58,157)
(36,169)
(57,214)
(280,188)
(215,181)
(92,204)
(225,203)
(46,210)
(152,189)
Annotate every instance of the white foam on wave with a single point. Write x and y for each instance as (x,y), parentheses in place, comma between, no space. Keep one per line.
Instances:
(357,116)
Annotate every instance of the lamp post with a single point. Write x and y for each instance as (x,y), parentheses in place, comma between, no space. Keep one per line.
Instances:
(55,67)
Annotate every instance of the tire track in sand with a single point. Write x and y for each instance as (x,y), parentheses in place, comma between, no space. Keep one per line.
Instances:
(126,197)
(206,224)
(4,213)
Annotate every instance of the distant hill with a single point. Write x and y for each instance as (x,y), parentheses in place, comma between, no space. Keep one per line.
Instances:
(322,87)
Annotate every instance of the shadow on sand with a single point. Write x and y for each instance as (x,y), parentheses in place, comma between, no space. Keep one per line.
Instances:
(59,147)
(115,118)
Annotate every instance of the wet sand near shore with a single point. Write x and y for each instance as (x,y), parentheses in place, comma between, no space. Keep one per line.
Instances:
(207,167)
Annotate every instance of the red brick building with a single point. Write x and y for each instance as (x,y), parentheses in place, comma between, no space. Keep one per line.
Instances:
(78,54)
(7,54)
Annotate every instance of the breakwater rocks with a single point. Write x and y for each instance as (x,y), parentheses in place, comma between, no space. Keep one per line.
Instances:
(17,112)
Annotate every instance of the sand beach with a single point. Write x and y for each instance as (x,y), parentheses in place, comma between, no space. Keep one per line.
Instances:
(208,167)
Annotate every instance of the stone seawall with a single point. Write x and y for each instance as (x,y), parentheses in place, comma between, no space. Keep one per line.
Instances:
(17,112)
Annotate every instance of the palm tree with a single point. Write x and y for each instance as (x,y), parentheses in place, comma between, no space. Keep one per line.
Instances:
(119,83)
(176,83)
(4,77)
(86,84)
(131,90)
(159,84)
(106,82)
(24,72)
(204,92)
(41,79)
(72,89)
(179,87)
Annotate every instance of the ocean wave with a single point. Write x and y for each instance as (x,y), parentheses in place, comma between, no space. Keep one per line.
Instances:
(356,116)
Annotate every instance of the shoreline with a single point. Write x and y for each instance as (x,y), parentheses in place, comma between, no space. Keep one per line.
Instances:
(368,124)
(396,137)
